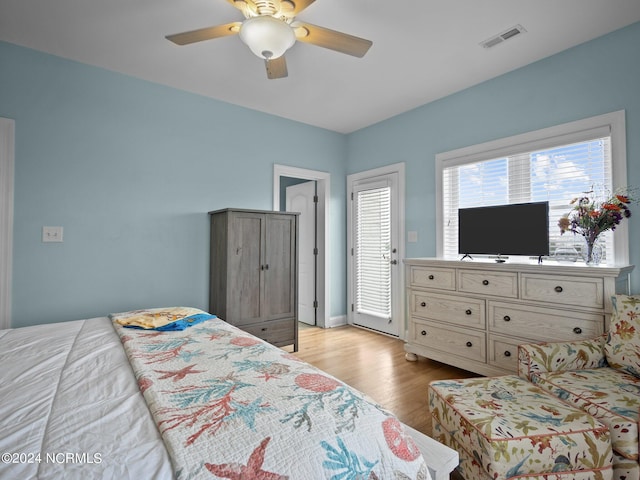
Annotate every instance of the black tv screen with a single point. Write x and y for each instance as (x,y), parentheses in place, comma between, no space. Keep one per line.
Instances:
(516,229)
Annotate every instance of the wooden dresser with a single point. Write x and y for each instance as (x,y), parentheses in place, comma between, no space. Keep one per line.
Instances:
(254,270)
(474,314)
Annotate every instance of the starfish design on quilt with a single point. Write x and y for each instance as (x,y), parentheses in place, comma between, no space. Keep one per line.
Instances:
(251,471)
(178,374)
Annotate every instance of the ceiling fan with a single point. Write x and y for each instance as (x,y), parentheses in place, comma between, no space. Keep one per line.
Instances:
(270,29)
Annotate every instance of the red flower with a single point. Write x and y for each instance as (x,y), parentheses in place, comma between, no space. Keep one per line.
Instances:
(611,206)
(590,218)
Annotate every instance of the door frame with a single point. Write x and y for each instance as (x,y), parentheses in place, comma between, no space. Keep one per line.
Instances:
(398,292)
(7,165)
(323,182)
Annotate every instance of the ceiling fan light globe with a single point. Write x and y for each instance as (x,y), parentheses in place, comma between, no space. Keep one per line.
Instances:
(266,36)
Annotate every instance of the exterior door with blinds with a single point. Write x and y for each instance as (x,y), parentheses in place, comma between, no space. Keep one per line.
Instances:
(375,267)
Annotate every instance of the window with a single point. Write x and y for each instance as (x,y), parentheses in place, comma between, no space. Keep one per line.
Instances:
(556,165)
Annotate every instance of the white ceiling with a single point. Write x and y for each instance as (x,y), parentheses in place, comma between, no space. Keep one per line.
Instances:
(422,49)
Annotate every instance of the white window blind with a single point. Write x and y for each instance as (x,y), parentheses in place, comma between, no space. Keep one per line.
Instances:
(556,173)
(372,245)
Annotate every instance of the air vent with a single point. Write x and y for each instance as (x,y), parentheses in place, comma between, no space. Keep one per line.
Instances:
(504,36)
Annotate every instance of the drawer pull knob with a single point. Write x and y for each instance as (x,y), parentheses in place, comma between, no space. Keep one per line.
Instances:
(507,353)
(423,304)
(577,330)
(431,277)
(469,344)
(485,282)
(558,289)
(423,332)
(468,311)
(506,318)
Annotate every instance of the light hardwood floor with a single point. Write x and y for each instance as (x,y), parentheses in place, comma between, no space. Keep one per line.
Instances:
(375,364)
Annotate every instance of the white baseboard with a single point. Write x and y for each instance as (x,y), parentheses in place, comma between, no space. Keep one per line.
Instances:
(338,321)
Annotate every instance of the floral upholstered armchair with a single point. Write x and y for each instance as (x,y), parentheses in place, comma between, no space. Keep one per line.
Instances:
(600,376)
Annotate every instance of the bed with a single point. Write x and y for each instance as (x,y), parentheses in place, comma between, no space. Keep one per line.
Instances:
(95,399)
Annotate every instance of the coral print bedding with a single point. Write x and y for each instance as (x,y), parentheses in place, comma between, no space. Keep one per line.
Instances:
(230,406)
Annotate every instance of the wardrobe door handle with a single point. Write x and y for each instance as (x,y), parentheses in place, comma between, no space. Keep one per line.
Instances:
(423,304)
(423,332)
(469,344)
(577,330)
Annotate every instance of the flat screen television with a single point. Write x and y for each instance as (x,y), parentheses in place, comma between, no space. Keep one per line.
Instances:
(516,229)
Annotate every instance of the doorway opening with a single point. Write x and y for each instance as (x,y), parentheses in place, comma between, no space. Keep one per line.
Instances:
(306,191)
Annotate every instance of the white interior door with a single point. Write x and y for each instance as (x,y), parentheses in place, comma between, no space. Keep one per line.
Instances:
(301,198)
(375,257)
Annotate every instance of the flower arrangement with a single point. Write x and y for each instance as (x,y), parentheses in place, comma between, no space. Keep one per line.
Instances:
(590,218)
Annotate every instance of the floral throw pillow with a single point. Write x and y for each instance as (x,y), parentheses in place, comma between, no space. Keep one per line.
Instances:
(622,349)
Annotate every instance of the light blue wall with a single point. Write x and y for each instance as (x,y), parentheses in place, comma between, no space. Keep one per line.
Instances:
(597,77)
(130,169)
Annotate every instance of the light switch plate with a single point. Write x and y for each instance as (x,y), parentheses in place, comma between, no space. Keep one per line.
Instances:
(52,234)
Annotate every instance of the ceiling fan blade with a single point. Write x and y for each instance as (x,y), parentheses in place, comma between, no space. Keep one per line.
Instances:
(299,5)
(240,5)
(202,34)
(276,68)
(338,41)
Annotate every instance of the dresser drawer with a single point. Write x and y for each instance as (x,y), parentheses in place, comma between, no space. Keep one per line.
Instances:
(276,332)
(502,284)
(503,353)
(448,308)
(540,323)
(577,291)
(432,277)
(457,341)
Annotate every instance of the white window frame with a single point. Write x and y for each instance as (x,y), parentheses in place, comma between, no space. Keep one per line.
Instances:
(580,130)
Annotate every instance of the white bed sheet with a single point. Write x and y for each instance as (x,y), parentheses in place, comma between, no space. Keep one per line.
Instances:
(70,408)
(67,388)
